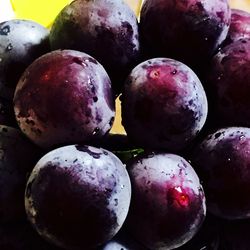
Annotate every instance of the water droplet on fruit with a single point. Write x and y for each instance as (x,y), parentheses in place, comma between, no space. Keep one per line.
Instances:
(122,186)
(5,30)
(242,137)
(96,130)
(79,61)
(228,159)
(206,38)
(92,87)
(174,72)
(1,59)
(9,47)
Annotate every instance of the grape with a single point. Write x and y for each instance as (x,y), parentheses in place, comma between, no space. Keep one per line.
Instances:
(122,241)
(164,105)
(168,202)
(105,29)
(189,31)
(234,234)
(239,27)
(222,161)
(21,236)
(7,116)
(207,238)
(228,85)
(21,42)
(64,97)
(78,197)
(17,158)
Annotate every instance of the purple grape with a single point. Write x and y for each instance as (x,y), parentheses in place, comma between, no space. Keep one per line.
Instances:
(78,197)
(168,203)
(164,105)
(234,235)
(222,161)
(105,29)
(207,238)
(228,85)
(189,31)
(7,116)
(21,42)
(17,158)
(21,236)
(64,97)
(239,27)
(122,241)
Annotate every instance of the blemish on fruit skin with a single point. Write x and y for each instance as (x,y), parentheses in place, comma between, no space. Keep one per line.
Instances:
(86,149)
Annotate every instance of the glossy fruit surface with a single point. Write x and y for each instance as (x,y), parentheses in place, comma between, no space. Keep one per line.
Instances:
(64,97)
(105,29)
(189,31)
(228,85)
(239,26)
(21,42)
(222,162)
(168,202)
(17,158)
(164,105)
(78,197)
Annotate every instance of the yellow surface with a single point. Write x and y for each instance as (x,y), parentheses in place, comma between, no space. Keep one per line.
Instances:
(240,4)
(45,11)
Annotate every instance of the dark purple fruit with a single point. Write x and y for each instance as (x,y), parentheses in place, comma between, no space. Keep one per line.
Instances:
(17,158)
(239,27)
(78,197)
(105,29)
(222,161)
(21,42)
(168,203)
(64,97)
(208,236)
(21,236)
(229,84)
(7,116)
(122,241)
(189,31)
(234,235)
(164,105)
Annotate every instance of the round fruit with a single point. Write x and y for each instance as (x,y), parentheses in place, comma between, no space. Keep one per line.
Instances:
(239,27)
(21,42)
(7,116)
(228,85)
(105,29)
(21,236)
(78,197)
(64,97)
(164,105)
(222,161)
(189,31)
(17,158)
(168,203)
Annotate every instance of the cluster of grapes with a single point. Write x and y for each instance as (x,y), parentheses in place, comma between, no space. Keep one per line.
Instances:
(184,75)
